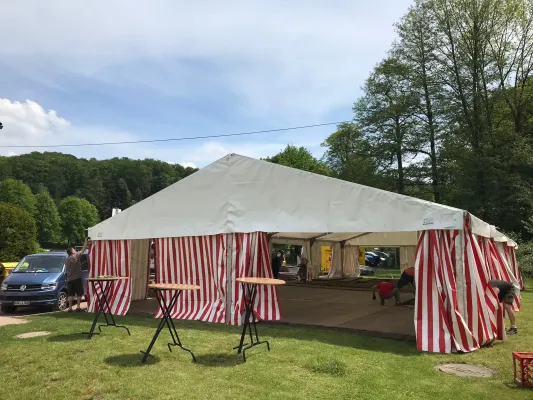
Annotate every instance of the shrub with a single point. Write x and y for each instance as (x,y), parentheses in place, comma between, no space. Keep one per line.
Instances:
(18,233)
(524,258)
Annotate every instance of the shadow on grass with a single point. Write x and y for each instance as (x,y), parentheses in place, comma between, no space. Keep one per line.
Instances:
(130,360)
(364,340)
(71,337)
(219,360)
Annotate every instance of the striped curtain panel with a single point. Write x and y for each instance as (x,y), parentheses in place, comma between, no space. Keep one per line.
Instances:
(501,268)
(197,260)
(251,257)
(111,257)
(455,309)
(203,261)
(511,260)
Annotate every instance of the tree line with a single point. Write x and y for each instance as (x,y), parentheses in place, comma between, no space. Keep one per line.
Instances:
(50,199)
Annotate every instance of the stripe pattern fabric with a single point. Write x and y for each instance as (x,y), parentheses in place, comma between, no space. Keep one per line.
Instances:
(197,260)
(110,257)
(214,263)
(456,309)
(510,256)
(251,258)
(498,267)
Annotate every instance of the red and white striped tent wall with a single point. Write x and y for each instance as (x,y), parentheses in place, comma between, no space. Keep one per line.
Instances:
(211,262)
(456,309)
(215,225)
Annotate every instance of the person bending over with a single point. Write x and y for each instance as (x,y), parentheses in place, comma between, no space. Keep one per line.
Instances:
(386,291)
(506,292)
(407,277)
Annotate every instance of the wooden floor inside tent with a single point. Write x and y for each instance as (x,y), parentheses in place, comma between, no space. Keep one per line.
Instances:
(339,308)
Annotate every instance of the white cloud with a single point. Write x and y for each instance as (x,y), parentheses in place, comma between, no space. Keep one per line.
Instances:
(189,165)
(290,59)
(28,124)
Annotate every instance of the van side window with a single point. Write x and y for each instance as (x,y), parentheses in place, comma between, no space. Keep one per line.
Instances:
(84,262)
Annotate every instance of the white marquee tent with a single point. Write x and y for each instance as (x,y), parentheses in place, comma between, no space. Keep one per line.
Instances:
(240,195)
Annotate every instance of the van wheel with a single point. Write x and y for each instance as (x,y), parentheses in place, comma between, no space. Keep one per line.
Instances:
(7,309)
(62,301)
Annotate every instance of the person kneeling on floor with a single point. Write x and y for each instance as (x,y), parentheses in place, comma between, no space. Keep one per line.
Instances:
(506,292)
(386,291)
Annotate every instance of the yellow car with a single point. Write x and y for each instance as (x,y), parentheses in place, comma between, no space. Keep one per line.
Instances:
(5,269)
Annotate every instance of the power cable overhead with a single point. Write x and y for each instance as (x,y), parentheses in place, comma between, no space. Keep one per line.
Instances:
(176,139)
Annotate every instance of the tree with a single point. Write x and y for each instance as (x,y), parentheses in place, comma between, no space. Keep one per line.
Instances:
(17,233)
(386,114)
(47,218)
(77,215)
(417,48)
(349,155)
(120,194)
(300,158)
(18,194)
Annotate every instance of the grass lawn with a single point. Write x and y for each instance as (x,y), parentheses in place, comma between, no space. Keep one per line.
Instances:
(384,273)
(302,364)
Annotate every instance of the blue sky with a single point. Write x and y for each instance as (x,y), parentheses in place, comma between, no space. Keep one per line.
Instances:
(77,72)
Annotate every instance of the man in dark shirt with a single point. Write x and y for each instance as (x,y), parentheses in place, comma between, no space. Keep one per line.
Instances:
(276,263)
(506,292)
(74,281)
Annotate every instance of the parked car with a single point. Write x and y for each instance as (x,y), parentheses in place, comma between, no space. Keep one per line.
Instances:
(39,280)
(365,271)
(372,259)
(382,255)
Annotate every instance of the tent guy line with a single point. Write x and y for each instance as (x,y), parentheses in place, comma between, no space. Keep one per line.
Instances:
(177,139)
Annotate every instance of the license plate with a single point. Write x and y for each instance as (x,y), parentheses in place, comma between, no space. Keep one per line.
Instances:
(21,303)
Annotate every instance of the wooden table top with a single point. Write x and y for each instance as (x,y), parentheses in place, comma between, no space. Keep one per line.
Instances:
(113,278)
(261,281)
(173,286)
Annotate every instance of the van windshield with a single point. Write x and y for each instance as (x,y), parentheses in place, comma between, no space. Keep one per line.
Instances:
(37,263)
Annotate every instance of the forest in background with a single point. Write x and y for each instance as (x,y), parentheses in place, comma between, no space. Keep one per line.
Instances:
(446,116)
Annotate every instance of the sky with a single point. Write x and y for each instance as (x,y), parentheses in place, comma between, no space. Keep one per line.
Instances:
(119,70)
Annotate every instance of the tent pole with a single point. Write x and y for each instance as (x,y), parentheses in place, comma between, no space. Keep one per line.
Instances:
(229,276)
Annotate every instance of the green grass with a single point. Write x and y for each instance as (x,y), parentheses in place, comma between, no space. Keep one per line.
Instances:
(303,363)
(384,273)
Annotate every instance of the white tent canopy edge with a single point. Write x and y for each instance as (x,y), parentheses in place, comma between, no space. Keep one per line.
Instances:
(238,194)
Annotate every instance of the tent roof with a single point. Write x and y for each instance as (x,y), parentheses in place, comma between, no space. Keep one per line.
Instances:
(241,194)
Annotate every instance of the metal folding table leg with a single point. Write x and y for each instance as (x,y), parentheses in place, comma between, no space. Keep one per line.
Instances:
(250,320)
(98,312)
(166,320)
(103,308)
(172,328)
(113,323)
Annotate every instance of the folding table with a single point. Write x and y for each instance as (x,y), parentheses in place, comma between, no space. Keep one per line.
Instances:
(102,287)
(176,290)
(249,291)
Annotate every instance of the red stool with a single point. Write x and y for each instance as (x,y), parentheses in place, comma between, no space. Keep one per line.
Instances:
(524,376)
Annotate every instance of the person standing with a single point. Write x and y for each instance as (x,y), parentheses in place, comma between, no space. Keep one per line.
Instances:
(506,292)
(302,268)
(276,264)
(74,281)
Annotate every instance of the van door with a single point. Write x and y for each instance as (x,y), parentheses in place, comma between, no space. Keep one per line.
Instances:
(84,272)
